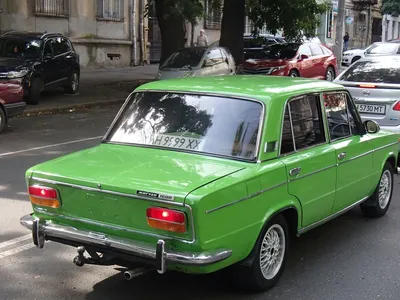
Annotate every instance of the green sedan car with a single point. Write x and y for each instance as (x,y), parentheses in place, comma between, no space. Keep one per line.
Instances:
(200,174)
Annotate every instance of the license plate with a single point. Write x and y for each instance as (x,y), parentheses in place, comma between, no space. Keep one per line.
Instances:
(371,109)
(173,141)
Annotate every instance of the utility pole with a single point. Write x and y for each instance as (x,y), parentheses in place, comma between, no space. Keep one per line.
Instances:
(339,31)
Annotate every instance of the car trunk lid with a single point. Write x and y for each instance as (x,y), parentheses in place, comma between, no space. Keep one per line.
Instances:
(375,101)
(116,184)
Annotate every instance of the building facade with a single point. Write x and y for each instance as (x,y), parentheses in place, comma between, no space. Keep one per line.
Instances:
(390,28)
(363,22)
(106,33)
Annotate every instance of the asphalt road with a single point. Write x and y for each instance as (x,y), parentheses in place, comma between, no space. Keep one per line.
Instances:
(348,258)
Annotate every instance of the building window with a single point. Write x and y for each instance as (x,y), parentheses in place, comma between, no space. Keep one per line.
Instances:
(212,15)
(52,8)
(111,10)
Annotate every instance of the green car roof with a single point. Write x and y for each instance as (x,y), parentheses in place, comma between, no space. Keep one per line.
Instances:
(258,87)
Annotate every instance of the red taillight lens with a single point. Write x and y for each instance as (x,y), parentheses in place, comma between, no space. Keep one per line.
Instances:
(397,106)
(44,196)
(166,219)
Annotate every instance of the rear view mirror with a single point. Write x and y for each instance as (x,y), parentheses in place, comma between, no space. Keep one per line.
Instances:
(371,126)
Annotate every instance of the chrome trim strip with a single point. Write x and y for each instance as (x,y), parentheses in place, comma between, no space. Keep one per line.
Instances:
(122,195)
(86,188)
(331,217)
(134,248)
(312,173)
(245,198)
(221,95)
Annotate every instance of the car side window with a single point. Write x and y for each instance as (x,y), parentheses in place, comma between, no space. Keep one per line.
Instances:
(304,49)
(316,50)
(60,46)
(302,126)
(341,122)
(48,49)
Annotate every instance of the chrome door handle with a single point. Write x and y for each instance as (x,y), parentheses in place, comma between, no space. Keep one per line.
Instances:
(341,156)
(295,171)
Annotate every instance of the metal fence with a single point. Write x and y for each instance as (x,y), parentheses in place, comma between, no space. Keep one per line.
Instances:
(53,8)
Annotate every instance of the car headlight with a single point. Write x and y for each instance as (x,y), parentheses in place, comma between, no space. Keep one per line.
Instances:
(17,74)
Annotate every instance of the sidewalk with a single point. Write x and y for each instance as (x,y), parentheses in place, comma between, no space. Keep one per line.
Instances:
(98,87)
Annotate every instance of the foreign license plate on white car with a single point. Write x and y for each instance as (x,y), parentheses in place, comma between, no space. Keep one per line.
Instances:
(371,109)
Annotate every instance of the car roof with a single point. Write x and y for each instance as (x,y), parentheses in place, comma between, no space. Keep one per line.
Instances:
(30,35)
(262,88)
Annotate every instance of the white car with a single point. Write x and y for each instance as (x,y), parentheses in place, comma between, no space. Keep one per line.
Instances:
(351,56)
(198,61)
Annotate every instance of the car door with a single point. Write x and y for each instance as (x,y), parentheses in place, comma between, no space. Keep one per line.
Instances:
(352,147)
(305,65)
(62,55)
(318,60)
(310,160)
(49,64)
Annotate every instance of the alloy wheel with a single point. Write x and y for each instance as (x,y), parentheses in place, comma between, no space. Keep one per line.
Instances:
(385,188)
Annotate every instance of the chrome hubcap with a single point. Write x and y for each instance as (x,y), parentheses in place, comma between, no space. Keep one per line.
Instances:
(385,187)
(74,82)
(293,75)
(272,251)
(329,75)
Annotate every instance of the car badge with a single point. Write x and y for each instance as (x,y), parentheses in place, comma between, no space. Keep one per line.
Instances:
(366,93)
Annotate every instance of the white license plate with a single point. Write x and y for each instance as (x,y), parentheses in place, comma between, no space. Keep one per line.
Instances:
(371,109)
(173,141)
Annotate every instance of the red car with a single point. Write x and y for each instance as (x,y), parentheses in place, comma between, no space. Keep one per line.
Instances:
(11,100)
(309,60)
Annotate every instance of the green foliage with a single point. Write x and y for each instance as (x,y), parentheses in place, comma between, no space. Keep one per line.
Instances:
(297,18)
(391,7)
(191,10)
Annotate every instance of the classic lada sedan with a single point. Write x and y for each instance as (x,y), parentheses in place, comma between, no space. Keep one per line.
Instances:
(201,174)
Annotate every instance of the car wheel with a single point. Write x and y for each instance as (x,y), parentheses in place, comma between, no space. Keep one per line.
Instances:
(268,258)
(355,59)
(2,119)
(34,91)
(330,74)
(294,73)
(73,83)
(378,204)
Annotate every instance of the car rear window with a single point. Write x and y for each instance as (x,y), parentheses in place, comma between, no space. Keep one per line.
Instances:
(190,122)
(382,71)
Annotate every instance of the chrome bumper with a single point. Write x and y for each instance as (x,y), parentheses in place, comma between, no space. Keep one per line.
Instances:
(159,253)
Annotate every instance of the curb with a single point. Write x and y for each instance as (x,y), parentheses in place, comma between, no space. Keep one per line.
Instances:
(69,108)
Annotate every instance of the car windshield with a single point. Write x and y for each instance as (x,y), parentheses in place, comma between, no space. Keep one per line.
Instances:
(383,49)
(186,58)
(254,42)
(19,48)
(278,51)
(382,71)
(190,122)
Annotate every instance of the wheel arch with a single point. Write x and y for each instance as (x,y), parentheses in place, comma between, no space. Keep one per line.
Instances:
(2,107)
(296,70)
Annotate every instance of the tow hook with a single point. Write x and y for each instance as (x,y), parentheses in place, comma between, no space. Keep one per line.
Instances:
(80,259)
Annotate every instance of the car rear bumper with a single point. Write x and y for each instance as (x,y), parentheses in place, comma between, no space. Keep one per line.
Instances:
(159,253)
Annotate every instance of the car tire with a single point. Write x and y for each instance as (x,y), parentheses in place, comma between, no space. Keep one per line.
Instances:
(73,83)
(256,276)
(294,73)
(355,59)
(3,119)
(330,74)
(378,204)
(35,90)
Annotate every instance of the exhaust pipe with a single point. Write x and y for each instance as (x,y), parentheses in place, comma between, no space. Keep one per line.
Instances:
(130,274)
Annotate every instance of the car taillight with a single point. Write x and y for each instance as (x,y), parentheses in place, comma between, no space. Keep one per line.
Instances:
(166,219)
(397,106)
(44,196)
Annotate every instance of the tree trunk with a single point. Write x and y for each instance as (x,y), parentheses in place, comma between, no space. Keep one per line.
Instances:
(232,28)
(172,28)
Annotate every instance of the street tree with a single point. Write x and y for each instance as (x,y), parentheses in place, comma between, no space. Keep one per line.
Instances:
(297,18)
(391,7)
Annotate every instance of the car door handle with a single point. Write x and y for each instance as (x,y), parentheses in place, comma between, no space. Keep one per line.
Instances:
(341,156)
(294,171)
